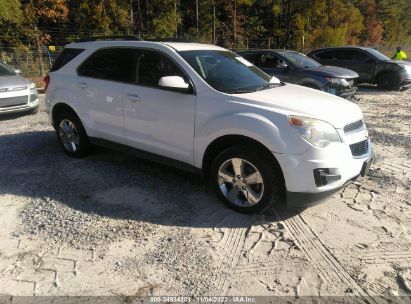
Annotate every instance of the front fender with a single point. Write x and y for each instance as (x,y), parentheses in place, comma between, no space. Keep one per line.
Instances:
(272,135)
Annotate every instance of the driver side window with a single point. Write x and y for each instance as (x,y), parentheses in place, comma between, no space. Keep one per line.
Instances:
(151,66)
(271,61)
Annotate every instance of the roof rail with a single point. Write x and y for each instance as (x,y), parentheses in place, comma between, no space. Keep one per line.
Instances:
(172,39)
(123,37)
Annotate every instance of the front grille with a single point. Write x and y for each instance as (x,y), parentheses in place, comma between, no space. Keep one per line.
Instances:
(359,148)
(13,89)
(354,126)
(13,101)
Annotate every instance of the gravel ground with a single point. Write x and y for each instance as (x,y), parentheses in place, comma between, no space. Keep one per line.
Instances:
(111,224)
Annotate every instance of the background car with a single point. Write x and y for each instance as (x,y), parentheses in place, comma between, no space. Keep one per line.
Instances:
(372,66)
(17,94)
(293,67)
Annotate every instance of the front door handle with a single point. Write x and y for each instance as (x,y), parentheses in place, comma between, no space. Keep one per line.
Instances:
(82,85)
(133,97)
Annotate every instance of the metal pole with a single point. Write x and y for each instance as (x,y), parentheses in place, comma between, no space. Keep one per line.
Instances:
(197,17)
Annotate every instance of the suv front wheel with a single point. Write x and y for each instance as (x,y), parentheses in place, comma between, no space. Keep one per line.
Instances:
(71,134)
(245,180)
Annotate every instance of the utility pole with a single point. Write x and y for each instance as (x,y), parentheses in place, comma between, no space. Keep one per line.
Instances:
(197,17)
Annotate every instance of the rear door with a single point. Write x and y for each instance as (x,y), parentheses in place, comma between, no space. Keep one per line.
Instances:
(157,120)
(327,57)
(101,81)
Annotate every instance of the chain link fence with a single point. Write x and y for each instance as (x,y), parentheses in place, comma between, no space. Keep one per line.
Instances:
(36,62)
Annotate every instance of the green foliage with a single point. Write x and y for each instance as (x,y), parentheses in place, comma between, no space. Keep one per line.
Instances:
(10,11)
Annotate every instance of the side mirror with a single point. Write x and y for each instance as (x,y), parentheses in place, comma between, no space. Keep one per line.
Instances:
(17,71)
(369,60)
(282,65)
(176,83)
(274,80)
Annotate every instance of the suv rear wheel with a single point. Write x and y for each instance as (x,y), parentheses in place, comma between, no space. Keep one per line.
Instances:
(71,134)
(245,180)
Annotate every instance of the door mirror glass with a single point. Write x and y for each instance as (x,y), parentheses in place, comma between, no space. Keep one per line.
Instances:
(275,80)
(282,66)
(174,83)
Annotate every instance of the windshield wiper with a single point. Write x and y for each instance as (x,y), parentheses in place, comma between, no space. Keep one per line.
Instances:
(268,85)
(239,92)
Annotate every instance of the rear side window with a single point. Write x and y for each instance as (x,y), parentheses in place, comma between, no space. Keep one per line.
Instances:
(117,64)
(326,55)
(252,57)
(65,57)
(336,55)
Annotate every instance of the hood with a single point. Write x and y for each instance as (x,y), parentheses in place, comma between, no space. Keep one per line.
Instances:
(398,62)
(332,71)
(13,81)
(298,100)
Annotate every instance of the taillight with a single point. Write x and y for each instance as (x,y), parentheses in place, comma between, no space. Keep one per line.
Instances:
(46,82)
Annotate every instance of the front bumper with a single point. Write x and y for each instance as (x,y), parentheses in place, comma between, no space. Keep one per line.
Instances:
(29,107)
(406,83)
(347,92)
(303,190)
(15,102)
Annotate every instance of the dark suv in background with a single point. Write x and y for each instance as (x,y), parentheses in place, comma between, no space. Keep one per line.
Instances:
(294,67)
(372,66)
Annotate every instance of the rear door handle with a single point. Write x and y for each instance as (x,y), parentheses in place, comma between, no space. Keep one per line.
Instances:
(82,85)
(133,97)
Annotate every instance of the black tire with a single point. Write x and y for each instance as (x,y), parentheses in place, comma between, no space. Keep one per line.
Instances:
(273,184)
(34,111)
(83,147)
(388,82)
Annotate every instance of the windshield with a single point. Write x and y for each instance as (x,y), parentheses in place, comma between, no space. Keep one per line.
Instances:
(6,70)
(300,61)
(377,54)
(227,72)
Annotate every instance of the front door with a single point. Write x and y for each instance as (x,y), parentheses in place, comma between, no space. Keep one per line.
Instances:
(275,66)
(158,120)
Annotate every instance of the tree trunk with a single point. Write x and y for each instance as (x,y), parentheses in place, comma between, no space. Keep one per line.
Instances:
(235,24)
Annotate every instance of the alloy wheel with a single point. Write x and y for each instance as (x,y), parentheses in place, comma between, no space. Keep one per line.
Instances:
(240,182)
(69,135)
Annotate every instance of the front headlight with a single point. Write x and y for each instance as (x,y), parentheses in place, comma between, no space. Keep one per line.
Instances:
(408,69)
(316,132)
(338,81)
(32,85)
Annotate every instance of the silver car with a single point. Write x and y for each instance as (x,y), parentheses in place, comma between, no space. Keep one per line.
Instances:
(17,94)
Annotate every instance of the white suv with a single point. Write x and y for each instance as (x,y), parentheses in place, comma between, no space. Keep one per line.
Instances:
(206,109)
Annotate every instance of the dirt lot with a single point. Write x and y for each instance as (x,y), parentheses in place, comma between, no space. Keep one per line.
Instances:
(112,224)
